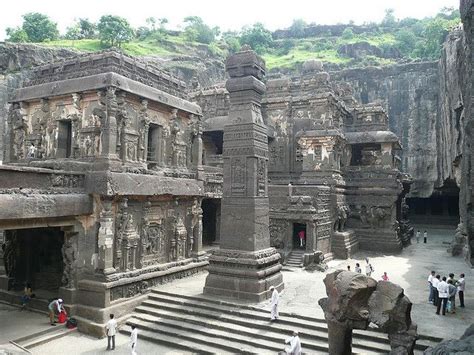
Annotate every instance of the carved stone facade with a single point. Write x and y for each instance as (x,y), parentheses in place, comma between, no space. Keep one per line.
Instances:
(104,161)
(333,166)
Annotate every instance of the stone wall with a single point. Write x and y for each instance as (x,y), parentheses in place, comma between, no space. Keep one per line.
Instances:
(15,59)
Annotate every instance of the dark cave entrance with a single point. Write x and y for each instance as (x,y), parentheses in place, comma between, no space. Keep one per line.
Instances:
(299,236)
(442,207)
(211,217)
(35,256)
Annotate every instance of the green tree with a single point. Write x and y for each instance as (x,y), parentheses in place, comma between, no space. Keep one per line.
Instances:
(406,41)
(257,37)
(39,27)
(297,28)
(231,39)
(87,28)
(348,33)
(73,32)
(17,35)
(114,30)
(196,30)
(389,19)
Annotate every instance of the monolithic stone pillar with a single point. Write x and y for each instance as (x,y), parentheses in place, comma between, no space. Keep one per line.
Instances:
(106,239)
(109,130)
(2,262)
(245,266)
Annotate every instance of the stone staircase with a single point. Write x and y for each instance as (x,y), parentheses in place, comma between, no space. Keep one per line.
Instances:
(295,258)
(206,326)
(32,340)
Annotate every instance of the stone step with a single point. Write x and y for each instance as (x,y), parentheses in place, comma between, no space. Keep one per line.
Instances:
(202,334)
(256,331)
(257,313)
(45,336)
(254,321)
(171,341)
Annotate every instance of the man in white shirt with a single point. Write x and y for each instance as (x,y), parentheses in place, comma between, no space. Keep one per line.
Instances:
(274,303)
(294,347)
(111,329)
(461,284)
(134,339)
(368,268)
(418,234)
(435,281)
(430,286)
(443,294)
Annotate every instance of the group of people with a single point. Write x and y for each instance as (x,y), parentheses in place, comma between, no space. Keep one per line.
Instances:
(369,269)
(442,292)
(111,330)
(418,236)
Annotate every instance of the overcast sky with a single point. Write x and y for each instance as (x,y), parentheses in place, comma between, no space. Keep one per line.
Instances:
(225,14)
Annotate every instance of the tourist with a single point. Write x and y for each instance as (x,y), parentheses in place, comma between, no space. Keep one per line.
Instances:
(461,285)
(27,295)
(430,286)
(134,339)
(452,296)
(55,306)
(294,343)
(443,294)
(111,328)
(368,268)
(358,268)
(385,276)
(348,268)
(425,237)
(31,151)
(301,235)
(418,234)
(274,304)
(435,282)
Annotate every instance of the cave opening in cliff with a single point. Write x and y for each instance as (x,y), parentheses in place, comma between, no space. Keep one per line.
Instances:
(442,207)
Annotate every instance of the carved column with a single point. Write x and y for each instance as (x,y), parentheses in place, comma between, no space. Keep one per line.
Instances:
(197,145)
(245,266)
(106,238)
(108,127)
(143,137)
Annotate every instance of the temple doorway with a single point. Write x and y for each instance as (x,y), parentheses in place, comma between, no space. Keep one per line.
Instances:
(35,256)
(299,236)
(211,212)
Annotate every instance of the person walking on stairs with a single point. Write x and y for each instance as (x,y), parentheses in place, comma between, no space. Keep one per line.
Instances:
(111,328)
(133,340)
(274,304)
(294,344)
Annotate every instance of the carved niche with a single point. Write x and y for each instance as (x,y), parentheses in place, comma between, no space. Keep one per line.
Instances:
(278,231)
(18,124)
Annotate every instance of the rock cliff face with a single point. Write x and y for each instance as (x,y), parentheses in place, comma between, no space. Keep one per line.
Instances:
(410,95)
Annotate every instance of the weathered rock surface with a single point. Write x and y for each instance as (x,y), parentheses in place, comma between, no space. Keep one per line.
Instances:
(464,345)
(354,300)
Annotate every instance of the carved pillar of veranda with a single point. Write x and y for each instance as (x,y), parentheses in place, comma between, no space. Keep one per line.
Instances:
(106,238)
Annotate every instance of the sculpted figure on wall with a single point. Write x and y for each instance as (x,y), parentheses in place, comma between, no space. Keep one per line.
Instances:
(18,123)
(342,214)
(68,252)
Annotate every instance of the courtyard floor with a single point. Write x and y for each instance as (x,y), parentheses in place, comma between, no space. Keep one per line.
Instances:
(303,289)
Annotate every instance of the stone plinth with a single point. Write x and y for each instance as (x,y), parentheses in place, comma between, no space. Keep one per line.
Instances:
(344,244)
(245,266)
